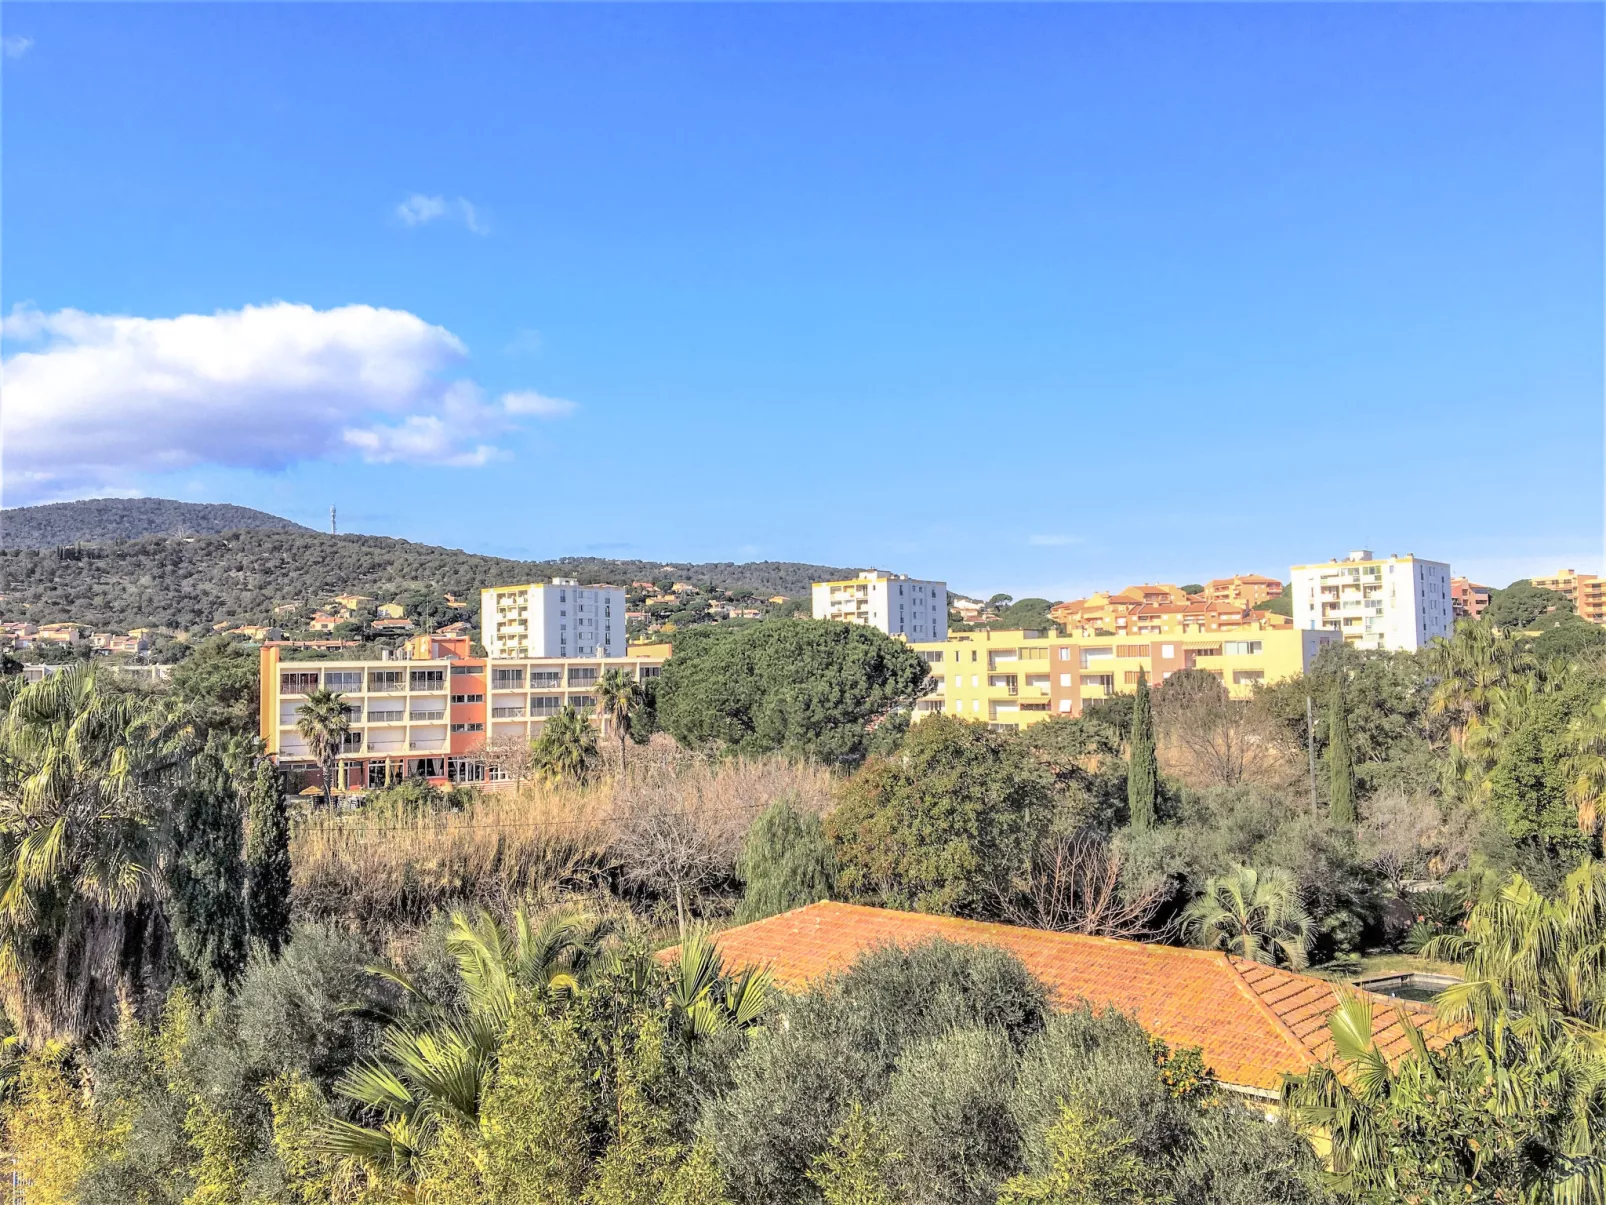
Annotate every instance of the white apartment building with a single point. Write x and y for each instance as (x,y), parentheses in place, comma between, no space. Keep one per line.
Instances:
(560,618)
(1397,602)
(898,605)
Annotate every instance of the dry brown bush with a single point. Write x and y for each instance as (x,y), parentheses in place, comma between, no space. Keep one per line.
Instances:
(672,819)
(1205,739)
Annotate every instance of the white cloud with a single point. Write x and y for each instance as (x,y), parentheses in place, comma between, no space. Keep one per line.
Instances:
(419,210)
(527,401)
(106,398)
(1053,541)
(15,45)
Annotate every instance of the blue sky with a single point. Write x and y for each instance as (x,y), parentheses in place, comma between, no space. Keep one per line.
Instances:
(1029,298)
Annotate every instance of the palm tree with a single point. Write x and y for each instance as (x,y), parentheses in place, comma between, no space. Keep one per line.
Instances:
(1476,661)
(1586,766)
(1534,965)
(704,1000)
(618,697)
(323,723)
(1254,914)
(1518,1104)
(84,777)
(566,750)
(434,1066)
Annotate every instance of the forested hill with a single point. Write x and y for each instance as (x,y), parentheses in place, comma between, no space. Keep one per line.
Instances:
(95,519)
(186,582)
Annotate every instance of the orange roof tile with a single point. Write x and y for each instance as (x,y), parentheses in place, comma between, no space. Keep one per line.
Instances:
(1253,1022)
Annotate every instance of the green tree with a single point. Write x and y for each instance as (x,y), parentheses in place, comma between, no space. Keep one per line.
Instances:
(1480,1119)
(85,773)
(220,681)
(323,722)
(1254,914)
(566,750)
(786,862)
(619,697)
(1340,765)
(941,826)
(1520,605)
(267,857)
(206,872)
(1142,779)
(1093,1163)
(804,686)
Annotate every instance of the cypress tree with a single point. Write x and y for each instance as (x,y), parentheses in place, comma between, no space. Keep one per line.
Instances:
(206,878)
(267,858)
(1340,764)
(1143,772)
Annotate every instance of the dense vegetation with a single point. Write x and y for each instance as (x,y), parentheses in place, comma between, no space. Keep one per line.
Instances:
(96,520)
(187,583)
(465,996)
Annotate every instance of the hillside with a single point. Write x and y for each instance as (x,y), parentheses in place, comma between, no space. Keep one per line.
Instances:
(96,519)
(185,583)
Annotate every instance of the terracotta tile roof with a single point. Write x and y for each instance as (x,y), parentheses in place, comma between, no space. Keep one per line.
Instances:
(1253,1022)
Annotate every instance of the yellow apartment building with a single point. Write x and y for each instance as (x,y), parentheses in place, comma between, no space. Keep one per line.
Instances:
(1011,679)
(1585,591)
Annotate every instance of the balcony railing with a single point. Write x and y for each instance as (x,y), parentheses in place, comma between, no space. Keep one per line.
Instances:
(427,715)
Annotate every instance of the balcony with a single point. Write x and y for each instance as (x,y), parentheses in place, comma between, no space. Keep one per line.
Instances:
(427,744)
(426,716)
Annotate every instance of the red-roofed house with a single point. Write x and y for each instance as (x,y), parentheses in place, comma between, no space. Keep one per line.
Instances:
(1254,1023)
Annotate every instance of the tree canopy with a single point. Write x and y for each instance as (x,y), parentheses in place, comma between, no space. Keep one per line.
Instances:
(803,686)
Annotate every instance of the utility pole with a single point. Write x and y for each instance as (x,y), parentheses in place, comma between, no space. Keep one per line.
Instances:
(332,529)
(1310,749)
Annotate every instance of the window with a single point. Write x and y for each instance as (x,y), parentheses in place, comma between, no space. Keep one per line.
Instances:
(1065,704)
(514,711)
(468,698)
(1065,652)
(1065,679)
(343,679)
(351,742)
(468,727)
(1131,650)
(1091,655)
(507,679)
(544,705)
(391,714)
(582,675)
(1241,648)
(1248,677)
(934,658)
(467,669)
(427,679)
(541,678)
(581,702)
(651,671)
(1168,651)
(298,684)
(1132,676)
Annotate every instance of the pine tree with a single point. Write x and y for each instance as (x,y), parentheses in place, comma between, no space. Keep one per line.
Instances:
(1143,771)
(1340,765)
(267,858)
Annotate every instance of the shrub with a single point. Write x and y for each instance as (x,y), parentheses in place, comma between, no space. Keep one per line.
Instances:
(793,1086)
(947,1112)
